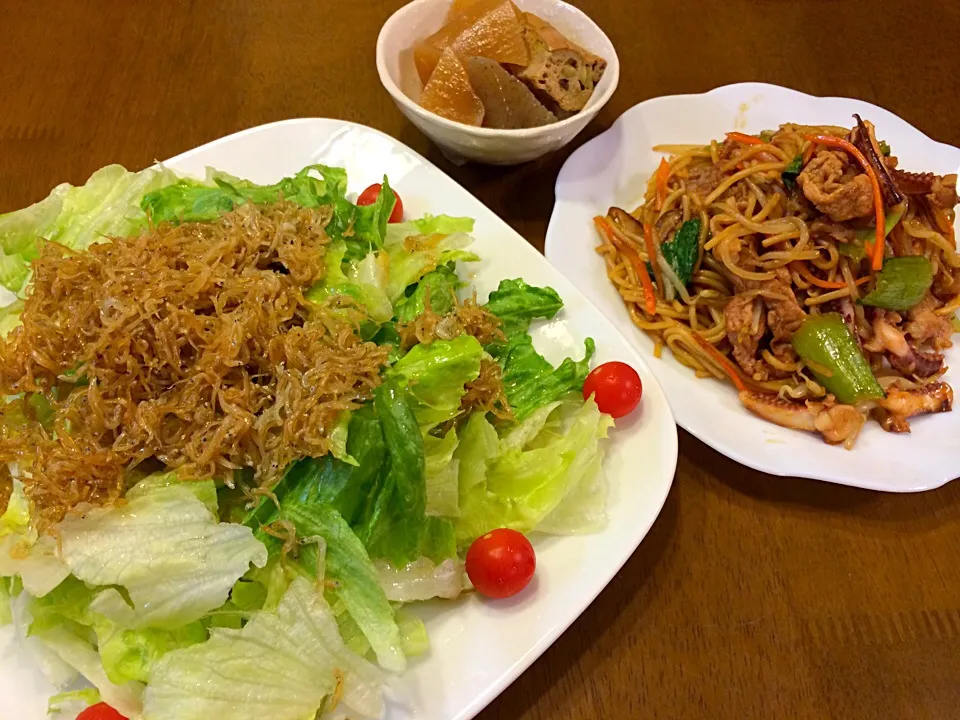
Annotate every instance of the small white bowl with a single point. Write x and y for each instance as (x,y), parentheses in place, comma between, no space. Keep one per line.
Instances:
(460,142)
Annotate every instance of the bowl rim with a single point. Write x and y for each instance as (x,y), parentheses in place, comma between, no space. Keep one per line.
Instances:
(613,69)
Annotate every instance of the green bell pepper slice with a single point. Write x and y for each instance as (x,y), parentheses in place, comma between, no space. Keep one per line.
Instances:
(902,283)
(826,344)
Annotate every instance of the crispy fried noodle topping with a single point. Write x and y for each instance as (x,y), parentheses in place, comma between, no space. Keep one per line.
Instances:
(191,344)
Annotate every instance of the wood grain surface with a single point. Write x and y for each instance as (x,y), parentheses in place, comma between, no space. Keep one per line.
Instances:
(753,596)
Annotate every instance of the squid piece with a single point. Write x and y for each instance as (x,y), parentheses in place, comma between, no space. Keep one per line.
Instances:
(835,423)
(899,405)
(863,138)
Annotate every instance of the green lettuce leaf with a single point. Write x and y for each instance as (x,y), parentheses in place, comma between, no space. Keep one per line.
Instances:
(338,439)
(79,653)
(438,542)
(440,286)
(204,490)
(68,604)
(14,273)
(479,444)
(6,597)
(124,654)
(418,247)
(349,566)
(280,665)
(442,468)
(540,477)
(393,520)
(132,654)
(328,481)
(369,223)
(175,561)
(73,701)
(20,229)
(530,381)
(190,200)
(436,374)
(413,633)
(428,225)
(517,304)
(363,281)
(25,555)
(10,315)
(107,205)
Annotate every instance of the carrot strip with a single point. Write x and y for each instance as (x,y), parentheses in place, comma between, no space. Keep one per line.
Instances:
(827,284)
(841,144)
(808,152)
(663,176)
(723,362)
(745,139)
(650,300)
(654,262)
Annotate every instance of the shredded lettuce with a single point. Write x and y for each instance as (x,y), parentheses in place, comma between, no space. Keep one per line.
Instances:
(24,554)
(437,374)
(541,463)
(78,653)
(442,474)
(529,380)
(363,281)
(422,580)
(190,200)
(166,549)
(413,633)
(73,701)
(418,247)
(350,568)
(517,304)
(280,665)
(440,286)
(107,205)
(393,521)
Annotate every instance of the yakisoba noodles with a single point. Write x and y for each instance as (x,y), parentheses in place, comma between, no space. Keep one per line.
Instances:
(802,265)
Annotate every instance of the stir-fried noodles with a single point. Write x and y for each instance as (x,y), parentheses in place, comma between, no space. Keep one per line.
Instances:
(738,243)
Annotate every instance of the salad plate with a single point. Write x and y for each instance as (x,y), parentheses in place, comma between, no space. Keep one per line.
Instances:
(613,170)
(477,647)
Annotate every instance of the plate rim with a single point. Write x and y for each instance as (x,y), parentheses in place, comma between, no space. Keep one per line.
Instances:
(552,245)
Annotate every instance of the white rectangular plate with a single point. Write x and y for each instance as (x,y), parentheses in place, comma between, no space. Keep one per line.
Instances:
(477,647)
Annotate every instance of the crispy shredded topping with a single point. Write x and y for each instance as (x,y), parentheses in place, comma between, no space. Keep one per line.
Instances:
(466,318)
(193,344)
(486,392)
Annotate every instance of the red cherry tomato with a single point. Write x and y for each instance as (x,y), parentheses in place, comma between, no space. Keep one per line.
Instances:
(369,197)
(100,711)
(615,387)
(501,563)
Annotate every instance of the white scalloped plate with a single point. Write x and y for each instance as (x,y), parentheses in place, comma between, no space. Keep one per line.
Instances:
(478,648)
(612,169)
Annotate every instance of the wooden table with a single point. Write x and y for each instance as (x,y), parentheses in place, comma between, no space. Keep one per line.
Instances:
(753,596)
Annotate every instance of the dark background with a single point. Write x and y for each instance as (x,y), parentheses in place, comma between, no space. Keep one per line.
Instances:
(753,596)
